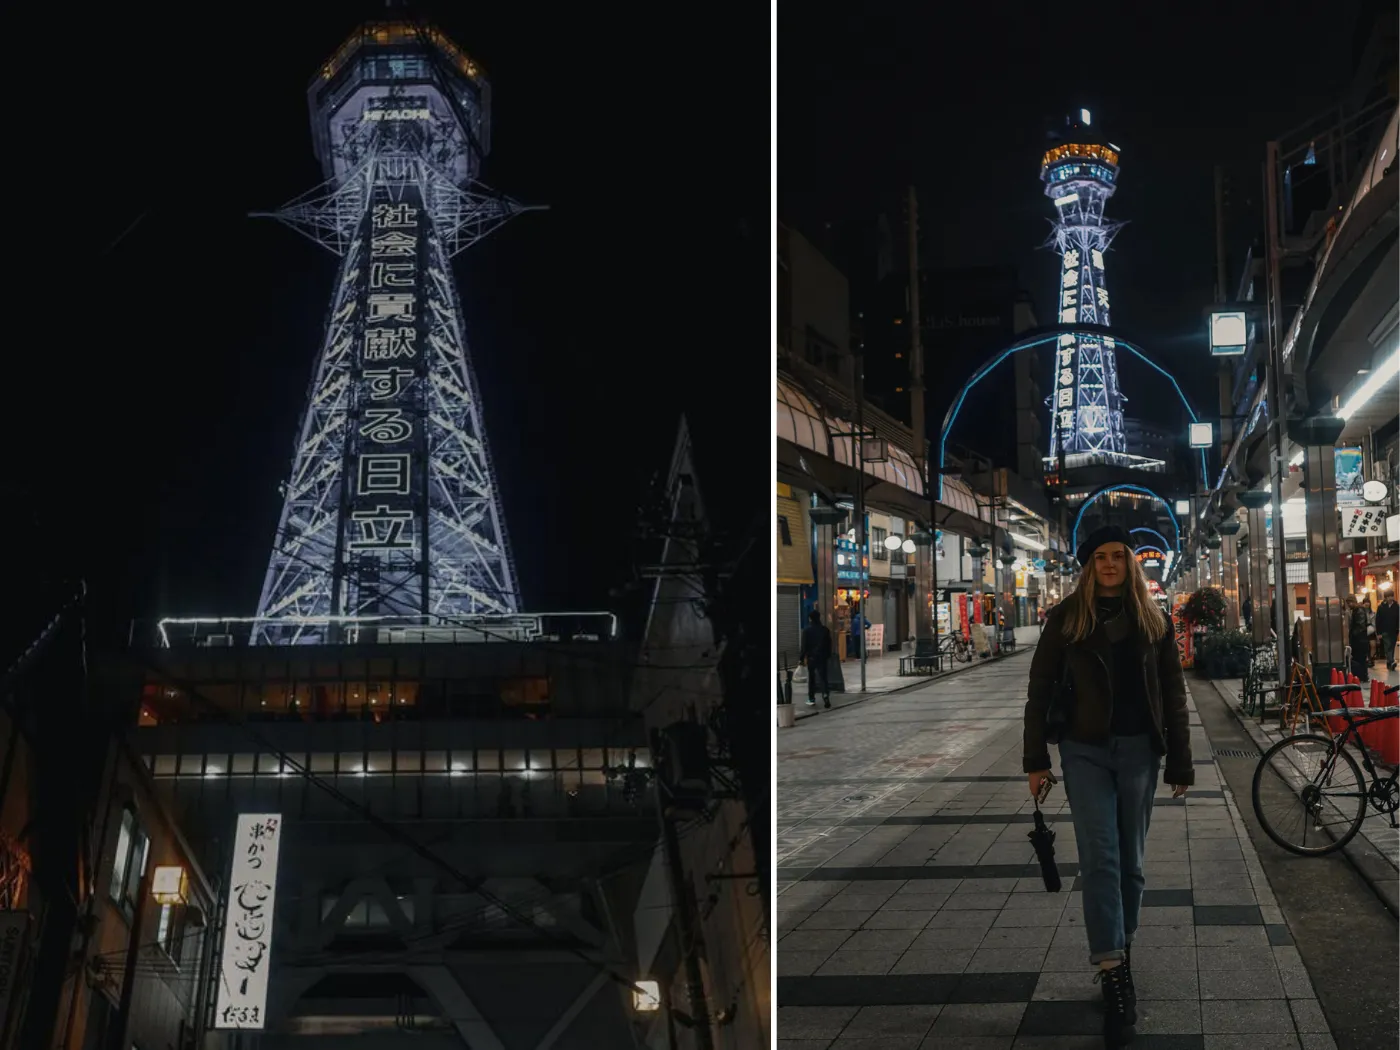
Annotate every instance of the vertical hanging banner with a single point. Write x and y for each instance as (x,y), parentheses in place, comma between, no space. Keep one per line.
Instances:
(252,896)
(385,530)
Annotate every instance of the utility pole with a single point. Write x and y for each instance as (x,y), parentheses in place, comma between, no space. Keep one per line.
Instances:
(1277,409)
(925,573)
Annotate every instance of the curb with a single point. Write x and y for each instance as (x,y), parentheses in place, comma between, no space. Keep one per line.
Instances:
(1373,866)
(923,681)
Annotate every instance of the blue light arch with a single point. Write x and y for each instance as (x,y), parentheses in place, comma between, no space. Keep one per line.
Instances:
(1041,337)
(1154,532)
(1104,491)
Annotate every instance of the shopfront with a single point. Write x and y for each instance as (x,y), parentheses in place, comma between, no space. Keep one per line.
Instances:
(795,572)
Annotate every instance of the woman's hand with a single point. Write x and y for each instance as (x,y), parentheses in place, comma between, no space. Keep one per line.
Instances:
(1178,790)
(1036,780)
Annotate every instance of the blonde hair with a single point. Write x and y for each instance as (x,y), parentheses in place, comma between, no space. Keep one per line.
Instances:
(1081,620)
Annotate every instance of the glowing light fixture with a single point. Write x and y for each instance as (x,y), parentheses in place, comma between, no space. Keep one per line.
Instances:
(908,547)
(1202,435)
(1229,333)
(892,542)
(169,885)
(1085,117)
(646,997)
(1183,506)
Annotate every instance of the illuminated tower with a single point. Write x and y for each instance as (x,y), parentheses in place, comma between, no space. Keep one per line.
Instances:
(1087,405)
(391,511)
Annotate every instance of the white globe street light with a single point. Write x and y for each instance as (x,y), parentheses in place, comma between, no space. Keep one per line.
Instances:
(892,542)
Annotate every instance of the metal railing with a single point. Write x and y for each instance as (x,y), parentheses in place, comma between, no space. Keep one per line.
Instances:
(228,632)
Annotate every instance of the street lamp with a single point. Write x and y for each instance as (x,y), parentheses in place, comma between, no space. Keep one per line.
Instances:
(1183,506)
(893,542)
(646,997)
(1202,435)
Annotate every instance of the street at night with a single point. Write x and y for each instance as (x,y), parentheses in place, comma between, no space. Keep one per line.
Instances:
(1088,449)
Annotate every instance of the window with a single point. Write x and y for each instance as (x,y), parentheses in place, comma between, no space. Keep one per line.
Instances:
(877,543)
(129,864)
(784,531)
(170,932)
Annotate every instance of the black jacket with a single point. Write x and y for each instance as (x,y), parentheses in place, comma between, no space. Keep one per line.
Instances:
(816,643)
(1388,618)
(1092,708)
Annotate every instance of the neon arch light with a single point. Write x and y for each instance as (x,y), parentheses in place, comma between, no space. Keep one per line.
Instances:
(1054,334)
(1154,532)
(1074,534)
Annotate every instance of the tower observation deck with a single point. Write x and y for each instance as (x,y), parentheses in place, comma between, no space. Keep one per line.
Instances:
(391,510)
(1086,408)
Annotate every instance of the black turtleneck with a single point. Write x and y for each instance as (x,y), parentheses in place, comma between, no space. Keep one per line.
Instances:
(1130,713)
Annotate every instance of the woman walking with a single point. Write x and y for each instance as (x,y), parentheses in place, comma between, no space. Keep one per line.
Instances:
(1107,657)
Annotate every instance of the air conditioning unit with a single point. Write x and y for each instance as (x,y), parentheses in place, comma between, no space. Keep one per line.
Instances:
(219,641)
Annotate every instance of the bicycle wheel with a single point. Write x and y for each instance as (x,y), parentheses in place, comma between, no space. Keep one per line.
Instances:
(964,653)
(1304,782)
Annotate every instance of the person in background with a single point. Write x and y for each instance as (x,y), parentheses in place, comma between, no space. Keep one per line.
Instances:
(1388,627)
(1358,640)
(816,653)
(1114,652)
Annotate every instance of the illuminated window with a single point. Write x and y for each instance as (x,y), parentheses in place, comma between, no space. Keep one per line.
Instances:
(525,693)
(129,864)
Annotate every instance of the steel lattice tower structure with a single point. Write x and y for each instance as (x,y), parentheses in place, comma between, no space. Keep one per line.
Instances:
(391,510)
(1086,408)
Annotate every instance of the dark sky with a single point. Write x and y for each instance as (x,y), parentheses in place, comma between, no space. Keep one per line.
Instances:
(956,97)
(158,409)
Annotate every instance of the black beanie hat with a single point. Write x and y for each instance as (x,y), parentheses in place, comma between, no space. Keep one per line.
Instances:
(1097,538)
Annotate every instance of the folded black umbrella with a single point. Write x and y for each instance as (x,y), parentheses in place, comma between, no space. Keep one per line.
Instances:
(1043,839)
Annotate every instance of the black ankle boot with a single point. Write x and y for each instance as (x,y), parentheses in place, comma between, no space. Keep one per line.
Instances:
(1128,976)
(1119,1006)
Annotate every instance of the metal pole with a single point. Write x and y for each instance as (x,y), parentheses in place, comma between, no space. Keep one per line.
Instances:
(861,556)
(925,624)
(121,1030)
(685,921)
(1277,409)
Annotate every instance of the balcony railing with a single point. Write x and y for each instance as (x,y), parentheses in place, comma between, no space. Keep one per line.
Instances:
(229,632)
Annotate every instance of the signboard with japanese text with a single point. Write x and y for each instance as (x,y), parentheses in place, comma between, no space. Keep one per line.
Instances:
(248,912)
(1363,521)
(386,457)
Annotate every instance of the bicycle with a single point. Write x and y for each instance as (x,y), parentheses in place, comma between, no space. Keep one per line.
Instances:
(1261,677)
(1306,765)
(956,646)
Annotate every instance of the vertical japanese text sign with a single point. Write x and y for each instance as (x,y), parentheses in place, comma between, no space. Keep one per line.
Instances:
(387,433)
(252,893)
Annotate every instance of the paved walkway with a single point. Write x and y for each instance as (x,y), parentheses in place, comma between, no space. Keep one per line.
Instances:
(882,674)
(911,912)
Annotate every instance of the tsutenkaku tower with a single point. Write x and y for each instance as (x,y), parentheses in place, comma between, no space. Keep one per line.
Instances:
(1086,408)
(391,509)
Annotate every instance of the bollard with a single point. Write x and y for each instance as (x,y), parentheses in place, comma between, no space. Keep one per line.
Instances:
(1388,732)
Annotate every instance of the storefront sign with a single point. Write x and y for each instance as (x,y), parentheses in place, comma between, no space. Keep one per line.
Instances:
(252,897)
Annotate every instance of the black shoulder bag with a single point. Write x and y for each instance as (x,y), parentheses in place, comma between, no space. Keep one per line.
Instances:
(1060,711)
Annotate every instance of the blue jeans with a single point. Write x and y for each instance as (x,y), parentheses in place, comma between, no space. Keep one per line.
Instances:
(1110,791)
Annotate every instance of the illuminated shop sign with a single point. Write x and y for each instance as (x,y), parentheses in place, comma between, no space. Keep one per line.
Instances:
(252,895)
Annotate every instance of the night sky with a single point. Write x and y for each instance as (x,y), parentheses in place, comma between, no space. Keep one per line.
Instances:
(160,413)
(956,99)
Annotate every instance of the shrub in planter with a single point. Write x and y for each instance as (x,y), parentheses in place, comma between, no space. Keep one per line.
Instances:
(1205,608)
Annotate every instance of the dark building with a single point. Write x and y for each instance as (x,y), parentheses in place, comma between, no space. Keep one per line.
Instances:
(460,841)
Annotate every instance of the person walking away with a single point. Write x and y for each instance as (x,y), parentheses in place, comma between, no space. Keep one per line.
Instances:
(1357,639)
(1109,656)
(1388,627)
(815,653)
